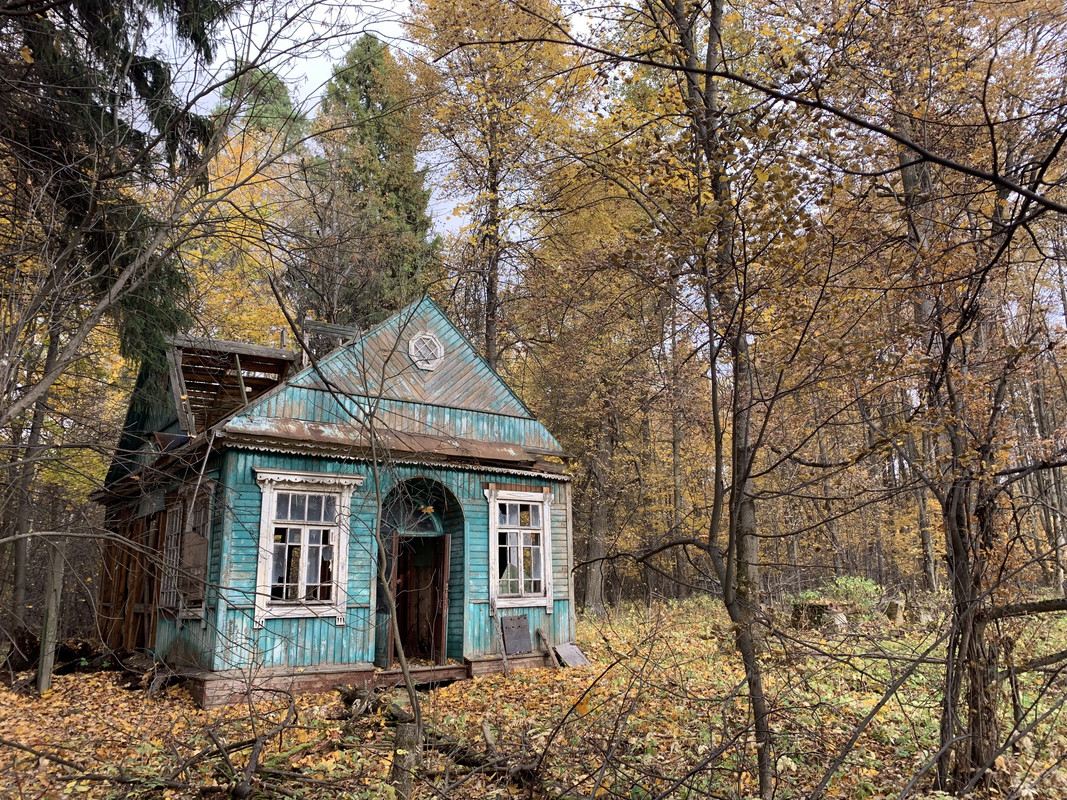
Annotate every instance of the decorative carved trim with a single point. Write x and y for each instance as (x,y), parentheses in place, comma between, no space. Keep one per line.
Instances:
(260,445)
(270,480)
(292,477)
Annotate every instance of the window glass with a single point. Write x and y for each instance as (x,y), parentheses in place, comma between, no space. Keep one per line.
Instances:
(520,557)
(302,558)
(314,508)
(297,503)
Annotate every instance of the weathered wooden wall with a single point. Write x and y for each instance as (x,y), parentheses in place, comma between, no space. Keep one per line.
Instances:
(307,641)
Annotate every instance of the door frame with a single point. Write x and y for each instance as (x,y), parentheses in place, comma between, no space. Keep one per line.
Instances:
(442,543)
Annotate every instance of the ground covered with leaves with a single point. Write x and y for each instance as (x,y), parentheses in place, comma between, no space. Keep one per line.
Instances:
(661,712)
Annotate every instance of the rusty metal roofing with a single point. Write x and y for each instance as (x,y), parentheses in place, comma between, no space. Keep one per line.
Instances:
(383,439)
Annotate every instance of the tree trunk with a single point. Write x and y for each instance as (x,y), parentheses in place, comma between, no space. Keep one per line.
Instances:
(50,627)
(407,752)
(492,243)
(598,517)
(22,499)
(739,574)
(926,541)
(676,457)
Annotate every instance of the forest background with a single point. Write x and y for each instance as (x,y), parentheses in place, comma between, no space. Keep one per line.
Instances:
(786,280)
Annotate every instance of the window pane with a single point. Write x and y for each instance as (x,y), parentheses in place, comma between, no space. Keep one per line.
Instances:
(314,508)
(296,506)
(503,514)
(329,508)
(281,510)
(535,516)
(315,536)
(502,556)
(513,513)
(292,566)
(327,563)
(278,572)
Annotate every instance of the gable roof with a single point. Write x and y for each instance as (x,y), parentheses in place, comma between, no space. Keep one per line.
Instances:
(379,365)
(459,403)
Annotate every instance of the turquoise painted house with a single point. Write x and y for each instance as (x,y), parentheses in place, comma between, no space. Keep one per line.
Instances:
(268,514)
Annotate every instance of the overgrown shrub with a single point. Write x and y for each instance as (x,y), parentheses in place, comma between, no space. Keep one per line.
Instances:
(851,590)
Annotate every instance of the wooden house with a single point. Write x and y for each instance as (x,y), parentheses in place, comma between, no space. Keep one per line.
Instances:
(264,513)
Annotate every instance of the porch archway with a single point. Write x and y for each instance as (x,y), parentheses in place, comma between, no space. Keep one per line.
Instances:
(422,534)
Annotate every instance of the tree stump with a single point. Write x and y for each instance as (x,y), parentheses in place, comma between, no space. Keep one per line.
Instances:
(812,614)
(836,620)
(895,612)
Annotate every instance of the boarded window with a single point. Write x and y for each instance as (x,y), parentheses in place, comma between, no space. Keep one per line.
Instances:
(186,549)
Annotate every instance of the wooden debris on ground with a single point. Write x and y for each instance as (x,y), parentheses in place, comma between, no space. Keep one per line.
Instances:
(570,655)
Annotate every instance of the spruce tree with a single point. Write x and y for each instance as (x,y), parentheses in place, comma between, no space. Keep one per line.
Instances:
(366,249)
(89,122)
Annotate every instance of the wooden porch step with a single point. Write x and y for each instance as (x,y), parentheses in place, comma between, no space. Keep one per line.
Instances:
(211,689)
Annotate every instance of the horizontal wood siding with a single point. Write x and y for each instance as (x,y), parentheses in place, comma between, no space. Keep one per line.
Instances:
(560,560)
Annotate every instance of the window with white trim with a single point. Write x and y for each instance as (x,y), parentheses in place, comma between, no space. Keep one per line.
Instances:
(303,545)
(305,533)
(520,548)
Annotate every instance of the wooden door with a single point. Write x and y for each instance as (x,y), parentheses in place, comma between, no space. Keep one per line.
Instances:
(442,635)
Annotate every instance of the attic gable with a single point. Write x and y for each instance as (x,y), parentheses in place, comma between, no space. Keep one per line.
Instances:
(394,362)
(412,377)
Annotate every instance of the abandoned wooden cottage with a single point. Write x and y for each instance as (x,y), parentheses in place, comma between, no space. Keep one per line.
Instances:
(254,502)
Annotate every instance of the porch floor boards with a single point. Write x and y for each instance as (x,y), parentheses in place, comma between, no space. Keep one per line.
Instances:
(212,689)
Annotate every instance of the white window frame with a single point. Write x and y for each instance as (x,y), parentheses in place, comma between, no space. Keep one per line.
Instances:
(273,481)
(421,360)
(543,499)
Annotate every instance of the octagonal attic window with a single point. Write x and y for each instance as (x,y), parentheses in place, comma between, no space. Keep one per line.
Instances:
(426,351)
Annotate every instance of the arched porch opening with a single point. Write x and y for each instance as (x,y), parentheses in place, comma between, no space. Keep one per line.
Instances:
(421,525)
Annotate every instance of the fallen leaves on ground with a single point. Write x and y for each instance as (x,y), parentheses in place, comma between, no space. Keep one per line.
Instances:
(662,709)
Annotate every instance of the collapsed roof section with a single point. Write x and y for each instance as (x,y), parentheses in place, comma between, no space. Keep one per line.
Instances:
(212,378)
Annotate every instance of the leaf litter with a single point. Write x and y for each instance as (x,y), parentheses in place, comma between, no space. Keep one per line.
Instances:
(660,712)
